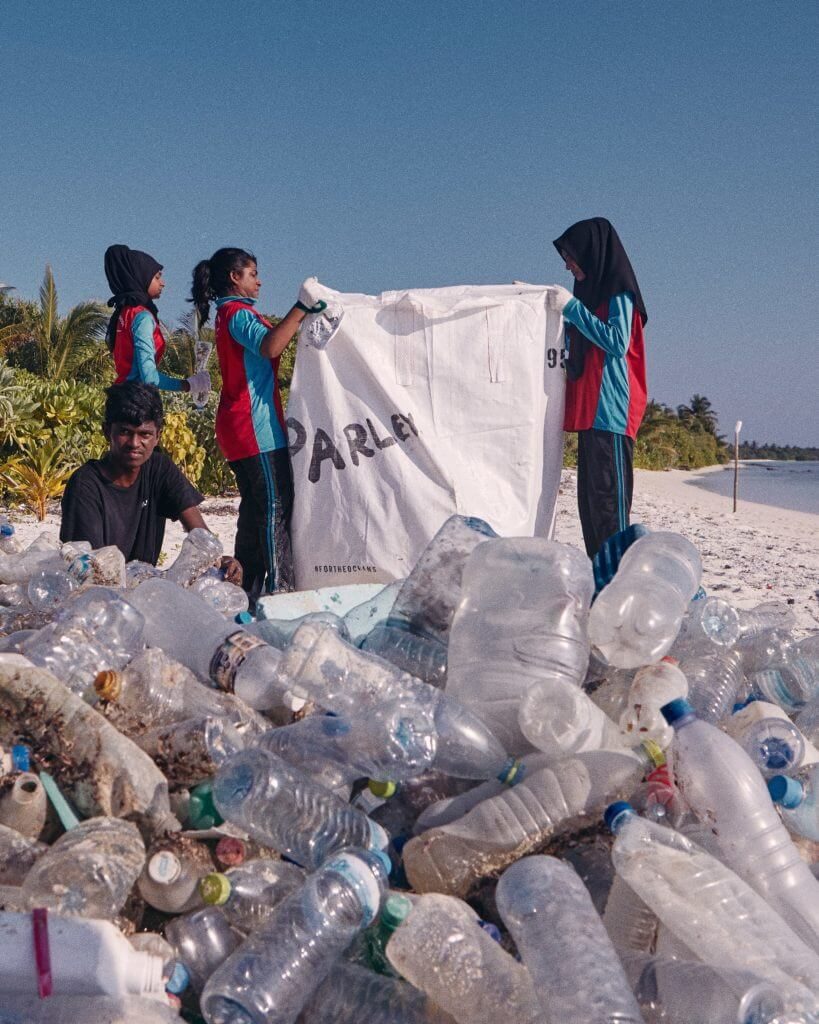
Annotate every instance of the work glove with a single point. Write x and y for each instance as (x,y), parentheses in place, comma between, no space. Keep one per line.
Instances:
(199,382)
(557,296)
(310,297)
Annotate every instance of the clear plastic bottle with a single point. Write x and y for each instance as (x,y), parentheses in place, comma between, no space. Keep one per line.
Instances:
(791,684)
(630,923)
(430,594)
(714,681)
(746,717)
(442,950)
(279,632)
(160,691)
(8,542)
(170,880)
(23,804)
(19,567)
(775,746)
(192,632)
(452,858)
(798,800)
(96,630)
(358,621)
(320,665)
(275,971)
(100,567)
(393,741)
(281,806)
(353,995)
(636,618)
(248,894)
(201,356)
(89,871)
(691,992)
(522,619)
(722,786)
(708,907)
(200,550)
(561,719)
(421,656)
(563,943)
(18,854)
(228,599)
(202,940)
(49,589)
(90,958)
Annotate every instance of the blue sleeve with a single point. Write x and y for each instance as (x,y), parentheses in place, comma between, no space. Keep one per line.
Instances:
(612,335)
(248,330)
(144,369)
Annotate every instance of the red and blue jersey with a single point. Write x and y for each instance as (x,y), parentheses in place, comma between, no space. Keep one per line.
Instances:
(249,419)
(138,348)
(611,393)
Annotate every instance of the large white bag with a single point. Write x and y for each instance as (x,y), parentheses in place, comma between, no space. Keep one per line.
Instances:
(424,404)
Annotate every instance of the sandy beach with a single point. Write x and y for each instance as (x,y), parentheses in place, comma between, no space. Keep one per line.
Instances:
(758,554)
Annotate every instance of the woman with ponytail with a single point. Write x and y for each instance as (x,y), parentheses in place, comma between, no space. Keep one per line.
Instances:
(134,336)
(250,426)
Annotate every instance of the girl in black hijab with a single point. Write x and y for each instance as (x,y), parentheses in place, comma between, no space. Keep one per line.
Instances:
(134,336)
(605,371)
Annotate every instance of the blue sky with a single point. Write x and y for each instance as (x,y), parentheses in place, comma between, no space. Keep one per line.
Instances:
(416,144)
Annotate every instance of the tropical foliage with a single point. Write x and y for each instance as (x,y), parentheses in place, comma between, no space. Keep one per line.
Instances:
(766,450)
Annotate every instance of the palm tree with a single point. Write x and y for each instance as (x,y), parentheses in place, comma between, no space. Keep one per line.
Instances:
(61,347)
(701,411)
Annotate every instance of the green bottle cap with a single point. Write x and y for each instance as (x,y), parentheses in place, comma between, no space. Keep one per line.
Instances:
(396,909)
(214,888)
(382,789)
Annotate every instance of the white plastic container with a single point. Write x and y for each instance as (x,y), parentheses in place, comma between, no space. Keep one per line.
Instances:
(88,957)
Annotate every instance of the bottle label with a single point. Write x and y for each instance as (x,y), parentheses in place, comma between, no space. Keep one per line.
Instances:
(229,656)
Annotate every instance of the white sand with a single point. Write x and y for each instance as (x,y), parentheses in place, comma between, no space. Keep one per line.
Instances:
(758,554)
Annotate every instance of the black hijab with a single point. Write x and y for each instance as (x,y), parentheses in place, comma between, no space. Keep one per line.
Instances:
(596,248)
(129,273)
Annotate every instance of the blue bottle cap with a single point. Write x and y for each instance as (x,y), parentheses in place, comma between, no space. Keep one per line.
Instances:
(491,929)
(21,758)
(677,712)
(6,530)
(785,791)
(385,860)
(243,618)
(179,980)
(614,811)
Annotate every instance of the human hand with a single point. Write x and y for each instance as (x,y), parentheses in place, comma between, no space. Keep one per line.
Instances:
(231,569)
(556,297)
(310,296)
(199,382)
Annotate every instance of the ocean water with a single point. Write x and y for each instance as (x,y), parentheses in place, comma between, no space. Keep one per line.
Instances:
(792,485)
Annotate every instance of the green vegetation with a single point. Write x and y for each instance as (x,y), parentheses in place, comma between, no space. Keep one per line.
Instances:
(53,371)
(752,450)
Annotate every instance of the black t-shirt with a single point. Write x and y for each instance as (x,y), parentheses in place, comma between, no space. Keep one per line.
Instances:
(133,518)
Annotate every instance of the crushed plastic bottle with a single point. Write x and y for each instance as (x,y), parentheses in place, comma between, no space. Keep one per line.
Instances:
(798,800)
(522,619)
(200,550)
(173,868)
(202,941)
(248,893)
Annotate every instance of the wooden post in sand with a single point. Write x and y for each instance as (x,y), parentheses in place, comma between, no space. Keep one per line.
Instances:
(737,429)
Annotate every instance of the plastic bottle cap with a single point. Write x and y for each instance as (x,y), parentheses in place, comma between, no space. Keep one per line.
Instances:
(292,702)
(785,791)
(512,772)
(21,758)
(243,618)
(395,910)
(179,980)
(164,867)
(655,753)
(214,888)
(6,530)
(491,930)
(385,860)
(230,851)
(202,811)
(108,684)
(669,660)
(383,789)
(614,811)
(677,712)
(379,840)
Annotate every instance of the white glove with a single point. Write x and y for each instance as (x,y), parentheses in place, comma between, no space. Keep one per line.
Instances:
(199,382)
(557,296)
(310,298)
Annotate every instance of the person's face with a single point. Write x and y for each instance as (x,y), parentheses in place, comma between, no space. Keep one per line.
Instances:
(156,285)
(573,267)
(246,281)
(130,446)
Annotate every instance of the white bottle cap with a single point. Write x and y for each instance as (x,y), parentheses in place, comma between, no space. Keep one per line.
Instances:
(164,867)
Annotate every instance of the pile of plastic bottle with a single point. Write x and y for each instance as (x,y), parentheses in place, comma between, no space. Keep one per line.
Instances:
(514,786)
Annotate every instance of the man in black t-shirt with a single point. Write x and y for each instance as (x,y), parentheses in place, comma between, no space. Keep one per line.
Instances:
(125,497)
